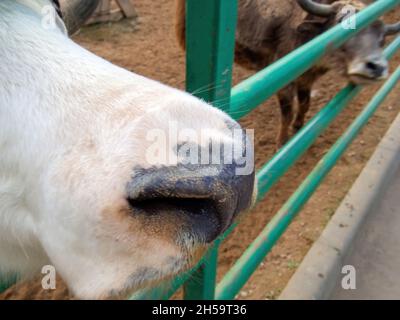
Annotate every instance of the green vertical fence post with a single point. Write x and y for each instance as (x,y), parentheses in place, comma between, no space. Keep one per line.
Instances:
(210,42)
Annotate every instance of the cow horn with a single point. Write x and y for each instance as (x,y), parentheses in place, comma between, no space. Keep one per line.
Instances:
(318,9)
(77,12)
(391,29)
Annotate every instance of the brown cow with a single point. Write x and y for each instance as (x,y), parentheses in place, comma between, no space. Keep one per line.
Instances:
(269,29)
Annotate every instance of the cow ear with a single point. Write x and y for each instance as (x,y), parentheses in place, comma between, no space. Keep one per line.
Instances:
(309,29)
(311,26)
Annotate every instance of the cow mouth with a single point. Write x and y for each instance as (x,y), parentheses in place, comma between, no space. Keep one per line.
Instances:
(362,79)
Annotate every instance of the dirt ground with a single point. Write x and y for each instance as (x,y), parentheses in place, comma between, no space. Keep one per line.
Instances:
(148,47)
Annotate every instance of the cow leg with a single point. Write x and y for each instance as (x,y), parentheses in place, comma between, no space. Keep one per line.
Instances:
(304,96)
(304,85)
(285,97)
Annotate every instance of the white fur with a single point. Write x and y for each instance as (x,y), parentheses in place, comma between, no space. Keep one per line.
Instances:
(72,127)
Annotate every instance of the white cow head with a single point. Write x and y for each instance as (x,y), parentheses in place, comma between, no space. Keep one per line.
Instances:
(103,173)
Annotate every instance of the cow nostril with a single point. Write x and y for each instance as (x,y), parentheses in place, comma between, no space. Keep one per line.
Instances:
(200,215)
(377,68)
(372,66)
(151,206)
(202,199)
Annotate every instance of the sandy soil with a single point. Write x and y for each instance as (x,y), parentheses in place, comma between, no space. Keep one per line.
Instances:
(149,48)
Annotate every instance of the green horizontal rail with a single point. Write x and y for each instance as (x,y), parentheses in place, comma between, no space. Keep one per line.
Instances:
(245,266)
(250,93)
(273,170)
(290,153)
(301,142)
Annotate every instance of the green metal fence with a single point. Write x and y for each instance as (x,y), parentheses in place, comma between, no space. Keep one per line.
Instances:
(210,40)
(210,33)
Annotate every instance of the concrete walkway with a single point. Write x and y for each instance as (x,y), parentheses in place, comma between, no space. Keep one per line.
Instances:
(376,251)
(363,233)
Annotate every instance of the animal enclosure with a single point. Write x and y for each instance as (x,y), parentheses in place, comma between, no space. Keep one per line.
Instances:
(167,68)
(210,42)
